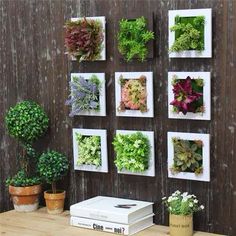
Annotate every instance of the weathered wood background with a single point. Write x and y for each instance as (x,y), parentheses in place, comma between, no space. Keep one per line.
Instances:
(33,66)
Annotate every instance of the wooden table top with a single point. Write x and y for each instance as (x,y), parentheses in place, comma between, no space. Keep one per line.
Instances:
(39,223)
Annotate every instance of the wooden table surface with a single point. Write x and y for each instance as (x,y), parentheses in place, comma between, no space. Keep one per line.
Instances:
(39,223)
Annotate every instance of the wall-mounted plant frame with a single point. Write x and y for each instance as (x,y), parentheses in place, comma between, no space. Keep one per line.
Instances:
(196,144)
(98,104)
(151,164)
(102,54)
(125,105)
(133,45)
(207,38)
(101,151)
(204,111)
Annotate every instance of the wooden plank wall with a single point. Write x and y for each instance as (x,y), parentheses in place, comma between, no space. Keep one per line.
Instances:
(33,66)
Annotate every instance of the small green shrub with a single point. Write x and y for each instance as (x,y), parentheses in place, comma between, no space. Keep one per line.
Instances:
(52,167)
(132,152)
(189,33)
(89,150)
(133,37)
(26,121)
(187,156)
(22,180)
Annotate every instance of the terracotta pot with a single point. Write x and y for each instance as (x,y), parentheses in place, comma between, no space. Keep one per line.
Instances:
(25,199)
(55,201)
(181,225)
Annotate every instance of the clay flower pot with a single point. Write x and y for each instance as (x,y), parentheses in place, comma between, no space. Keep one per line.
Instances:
(55,201)
(181,225)
(25,199)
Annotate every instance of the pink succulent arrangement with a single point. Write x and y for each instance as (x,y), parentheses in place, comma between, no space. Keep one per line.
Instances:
(133,94)
(186,98)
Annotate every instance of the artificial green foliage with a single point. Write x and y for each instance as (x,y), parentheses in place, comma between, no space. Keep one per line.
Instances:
(133,37)
(189,33)
(26,121)
(89,150)
(21,179)
(132,152)
(182,203)
(187,156)
(52,167)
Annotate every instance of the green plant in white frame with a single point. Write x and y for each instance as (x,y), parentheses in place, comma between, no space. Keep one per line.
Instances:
(89,150)
(134,152)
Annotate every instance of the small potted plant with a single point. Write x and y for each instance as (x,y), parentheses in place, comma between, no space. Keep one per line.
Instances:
(133,37)
(84,38)
(181,207)
(26,122)
(52,167)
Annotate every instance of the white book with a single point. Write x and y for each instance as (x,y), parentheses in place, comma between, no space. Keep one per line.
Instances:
(111,227)
(112,209)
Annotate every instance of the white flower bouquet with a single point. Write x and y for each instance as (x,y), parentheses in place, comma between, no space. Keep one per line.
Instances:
(182,203)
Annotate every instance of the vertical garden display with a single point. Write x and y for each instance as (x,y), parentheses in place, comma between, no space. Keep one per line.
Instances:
(189,95)
(134,152)
(85,38)
(190,33)
(87,94)
(90,150)
(133,38)
(134,94)
(189,156)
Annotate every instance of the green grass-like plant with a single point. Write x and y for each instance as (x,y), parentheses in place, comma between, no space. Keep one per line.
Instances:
(187,156)
(52,167)
(132,152)
(189,33)
(133,37)
(89,150)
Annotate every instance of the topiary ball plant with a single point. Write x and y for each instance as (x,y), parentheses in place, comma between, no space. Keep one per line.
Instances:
(26,121)
(133,37)
(52,166)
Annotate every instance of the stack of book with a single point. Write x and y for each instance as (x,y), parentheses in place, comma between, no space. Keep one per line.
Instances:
(114,215)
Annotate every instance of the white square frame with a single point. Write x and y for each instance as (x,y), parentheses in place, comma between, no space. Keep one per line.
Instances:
(103,21)
(206,76)
(151,170)
(205,138)
(149,87)
(102,96)
(207,52)
(104,157)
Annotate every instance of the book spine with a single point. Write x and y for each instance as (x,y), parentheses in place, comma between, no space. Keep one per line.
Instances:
(99,225)
(97,215)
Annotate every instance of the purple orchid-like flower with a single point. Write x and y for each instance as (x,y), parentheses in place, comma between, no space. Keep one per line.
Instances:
(93,104)
(184,96)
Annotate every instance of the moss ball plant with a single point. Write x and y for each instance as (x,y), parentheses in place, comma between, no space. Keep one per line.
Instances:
(52,167)
(133,37)
(26,121)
